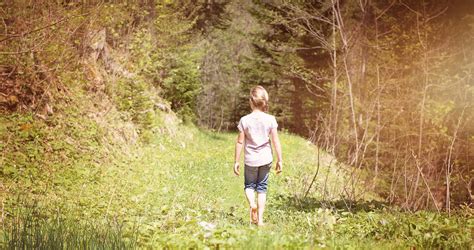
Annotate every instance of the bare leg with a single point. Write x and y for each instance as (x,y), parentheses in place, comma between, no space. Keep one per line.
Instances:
(261,198)
(250,194)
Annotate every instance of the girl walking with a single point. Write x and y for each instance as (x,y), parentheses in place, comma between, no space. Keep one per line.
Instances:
(255,131)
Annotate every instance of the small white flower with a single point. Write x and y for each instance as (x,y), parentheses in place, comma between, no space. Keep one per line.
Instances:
(207,225)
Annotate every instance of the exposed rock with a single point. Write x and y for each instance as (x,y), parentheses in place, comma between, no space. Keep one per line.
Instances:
(97,43)
(101,50)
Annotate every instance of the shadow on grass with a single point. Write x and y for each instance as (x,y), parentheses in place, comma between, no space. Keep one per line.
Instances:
(310,204)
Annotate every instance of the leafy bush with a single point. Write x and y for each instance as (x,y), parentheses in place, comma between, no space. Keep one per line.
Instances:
(131,95)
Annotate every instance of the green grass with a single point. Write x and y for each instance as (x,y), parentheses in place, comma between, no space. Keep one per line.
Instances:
(166,192)
(28,231)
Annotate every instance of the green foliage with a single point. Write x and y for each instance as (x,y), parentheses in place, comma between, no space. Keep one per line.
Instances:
(36,152)
(164,56)
(182,84)
(135,98)
(424,229)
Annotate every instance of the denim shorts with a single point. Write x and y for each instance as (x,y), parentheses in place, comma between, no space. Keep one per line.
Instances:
(256,178)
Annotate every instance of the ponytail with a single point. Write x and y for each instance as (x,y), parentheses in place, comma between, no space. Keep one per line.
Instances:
(259,98)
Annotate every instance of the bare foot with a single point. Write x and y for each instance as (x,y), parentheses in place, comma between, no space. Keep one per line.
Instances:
(260,224)
(253,215)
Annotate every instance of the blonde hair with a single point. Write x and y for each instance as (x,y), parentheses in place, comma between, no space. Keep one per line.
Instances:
(259,98)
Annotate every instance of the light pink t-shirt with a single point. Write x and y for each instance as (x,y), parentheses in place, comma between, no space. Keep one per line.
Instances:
(257,127)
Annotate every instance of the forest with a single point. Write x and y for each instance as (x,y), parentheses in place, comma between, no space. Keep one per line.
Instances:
(118,121)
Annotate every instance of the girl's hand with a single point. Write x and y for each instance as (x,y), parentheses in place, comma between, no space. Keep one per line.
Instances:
(236,168)
(279,167)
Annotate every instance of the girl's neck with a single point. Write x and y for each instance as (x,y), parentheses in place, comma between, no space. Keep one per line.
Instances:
(256,111)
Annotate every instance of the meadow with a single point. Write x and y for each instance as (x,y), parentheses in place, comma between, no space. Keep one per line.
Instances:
(179,191)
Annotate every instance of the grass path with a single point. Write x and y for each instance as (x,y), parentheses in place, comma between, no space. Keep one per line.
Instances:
(180,191)
(179,185)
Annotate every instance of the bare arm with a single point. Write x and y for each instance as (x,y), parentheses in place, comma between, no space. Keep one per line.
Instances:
(277,146)
(238,149)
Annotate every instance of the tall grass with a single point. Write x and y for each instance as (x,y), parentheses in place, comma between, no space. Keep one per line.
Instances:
(28,230)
